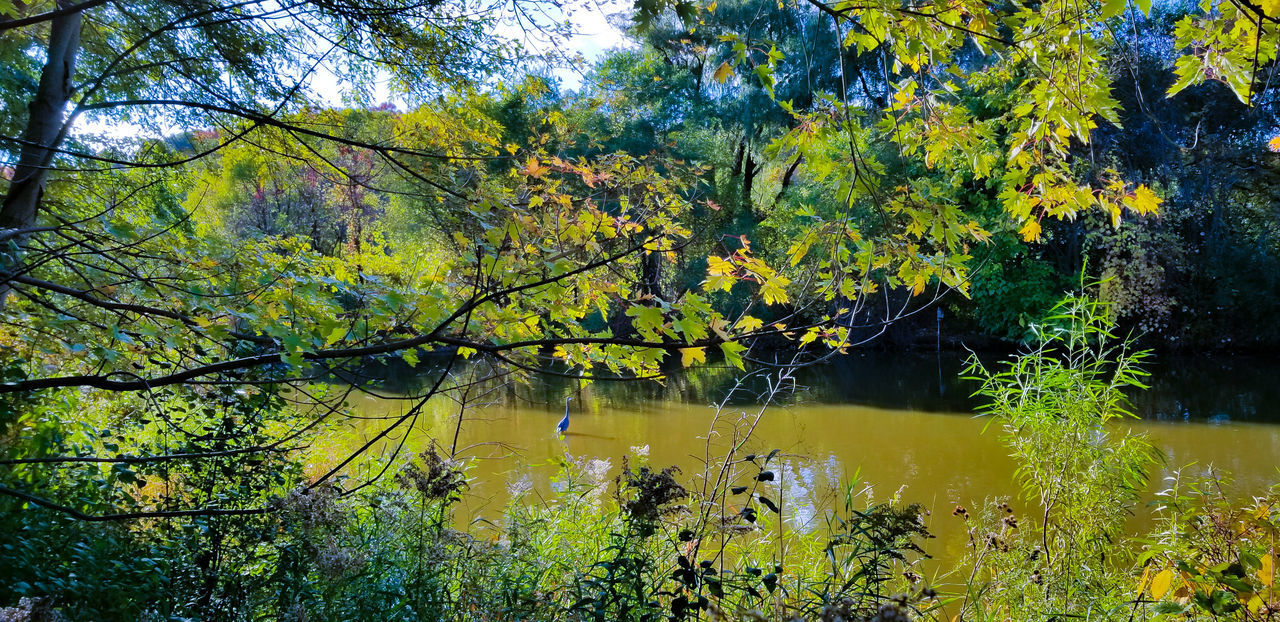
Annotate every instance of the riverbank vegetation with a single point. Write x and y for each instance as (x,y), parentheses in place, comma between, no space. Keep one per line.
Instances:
(655,543)
(204,254)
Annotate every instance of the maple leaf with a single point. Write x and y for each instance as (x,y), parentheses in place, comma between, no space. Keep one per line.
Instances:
(732,352)
(648,320)
(748,324)
(534,169)
(689,356)
(723,72)
(1143,201)
(1030,231)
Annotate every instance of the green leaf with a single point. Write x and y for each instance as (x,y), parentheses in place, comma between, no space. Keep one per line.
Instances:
(1188,70)
(732,352)
(648,320)
(765,73)
(335,335)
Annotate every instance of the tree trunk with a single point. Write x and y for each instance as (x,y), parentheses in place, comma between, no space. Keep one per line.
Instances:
(788,178)
(651,274)
(44,125)
(748,180)
(41,137)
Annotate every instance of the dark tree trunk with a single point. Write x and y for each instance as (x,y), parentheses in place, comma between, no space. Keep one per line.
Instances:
(651,274)
(788,178)
(748,179)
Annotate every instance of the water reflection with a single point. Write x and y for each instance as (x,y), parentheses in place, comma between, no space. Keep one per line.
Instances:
(1183,388)
(936,459)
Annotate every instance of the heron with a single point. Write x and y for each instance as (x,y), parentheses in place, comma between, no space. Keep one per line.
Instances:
(564,423)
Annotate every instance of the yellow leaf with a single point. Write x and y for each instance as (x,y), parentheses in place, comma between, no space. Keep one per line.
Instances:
(1271,8)
(689,356)
(774,290)
(1274,143)
(533,168)
(918,283)
(1144,201)
(1267,572)
(1030,231)
(1146,577)
(723,72)
(717,282)
(718,326)
(1160,584)
(716,265)
(809,336)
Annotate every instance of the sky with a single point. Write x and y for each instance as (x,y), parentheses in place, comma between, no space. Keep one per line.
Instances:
(593,34)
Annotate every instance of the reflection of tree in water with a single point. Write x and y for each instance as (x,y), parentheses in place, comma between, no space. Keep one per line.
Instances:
(703,384)
(1211,389)
(1182,388)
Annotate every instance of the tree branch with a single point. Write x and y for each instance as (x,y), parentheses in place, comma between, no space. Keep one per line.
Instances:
(9,24)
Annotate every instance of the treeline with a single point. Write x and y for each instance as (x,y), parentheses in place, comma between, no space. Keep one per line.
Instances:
(1203,273)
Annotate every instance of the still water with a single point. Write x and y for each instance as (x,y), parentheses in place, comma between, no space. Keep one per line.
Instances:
(899,424)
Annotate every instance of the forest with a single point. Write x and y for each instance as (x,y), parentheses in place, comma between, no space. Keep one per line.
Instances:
(292,293)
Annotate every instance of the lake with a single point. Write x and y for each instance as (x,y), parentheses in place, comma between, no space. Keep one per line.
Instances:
(902,424)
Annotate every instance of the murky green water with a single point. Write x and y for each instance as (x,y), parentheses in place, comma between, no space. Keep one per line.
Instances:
(939,459)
